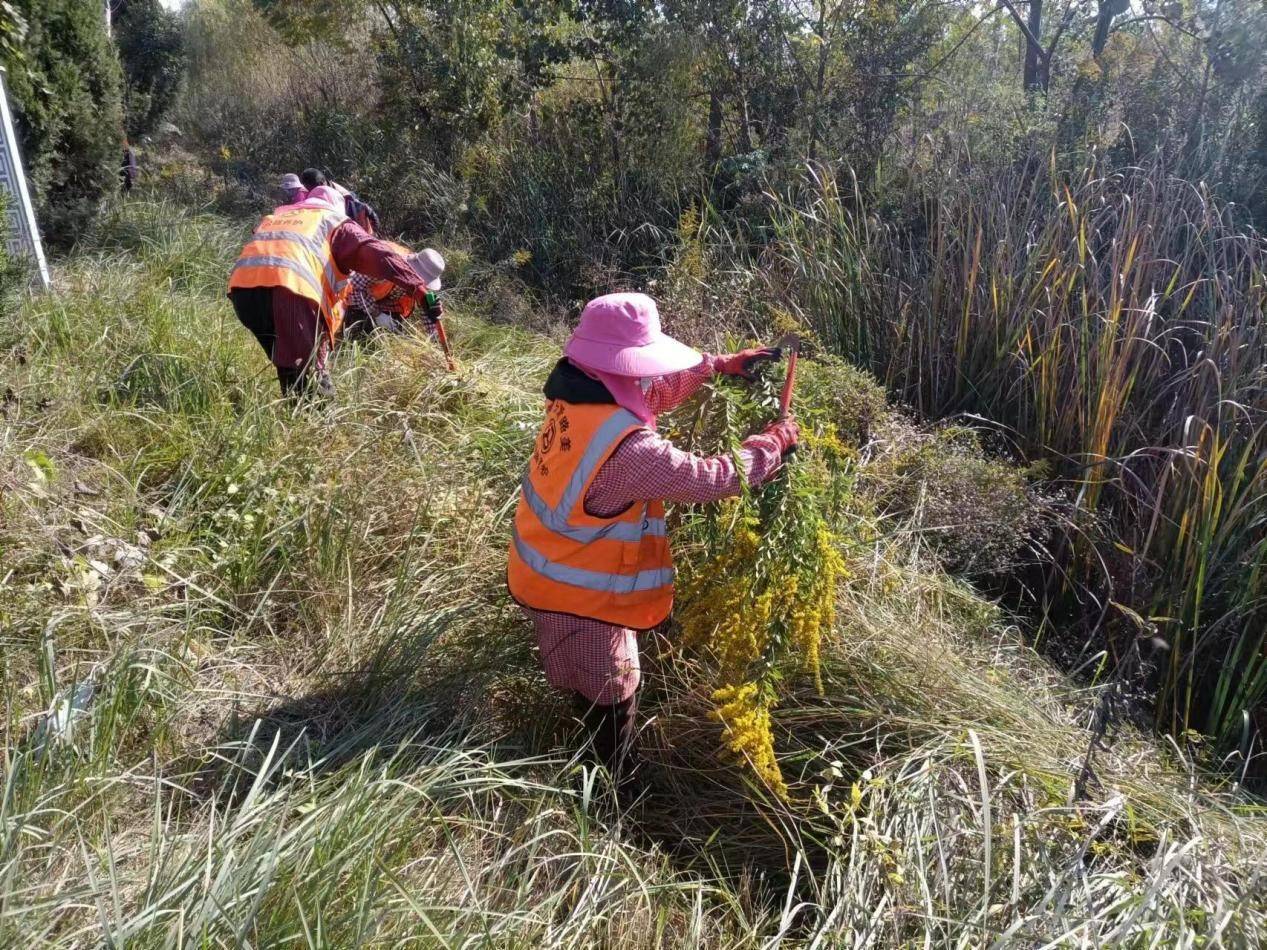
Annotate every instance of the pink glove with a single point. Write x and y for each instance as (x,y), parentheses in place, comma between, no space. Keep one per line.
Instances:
(785,432)
(742,364)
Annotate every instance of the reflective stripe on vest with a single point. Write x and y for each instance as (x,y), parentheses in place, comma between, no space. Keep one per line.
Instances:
(291,249)
(287,263)
(556,520)
(593,580)
(312,244)
(616,569)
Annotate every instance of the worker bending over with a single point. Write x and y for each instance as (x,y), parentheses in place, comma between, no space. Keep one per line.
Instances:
(290,281)
(589,559)
(375,303)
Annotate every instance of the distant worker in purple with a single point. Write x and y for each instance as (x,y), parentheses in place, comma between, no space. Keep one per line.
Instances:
(292,189)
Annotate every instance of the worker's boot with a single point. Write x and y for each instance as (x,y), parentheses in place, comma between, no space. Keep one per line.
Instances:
(613,732)
(290,380)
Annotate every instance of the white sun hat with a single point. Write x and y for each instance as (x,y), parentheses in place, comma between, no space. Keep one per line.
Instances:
(429,265)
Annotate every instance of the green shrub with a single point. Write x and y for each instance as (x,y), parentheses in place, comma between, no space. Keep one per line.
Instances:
(258,103)
(151,47)
(974,513)
(589,181)
(66,91)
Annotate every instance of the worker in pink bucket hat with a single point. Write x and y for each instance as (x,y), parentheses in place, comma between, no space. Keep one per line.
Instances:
(589,557)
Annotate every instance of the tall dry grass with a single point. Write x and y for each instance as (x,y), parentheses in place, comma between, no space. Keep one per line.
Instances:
(1113,323)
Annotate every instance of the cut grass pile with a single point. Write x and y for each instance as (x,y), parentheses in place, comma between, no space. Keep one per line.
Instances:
(263,686)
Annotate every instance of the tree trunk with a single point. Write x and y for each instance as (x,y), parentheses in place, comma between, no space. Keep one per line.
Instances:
(1101,38)
(1105,12)
(745,128)
(712,145)
(1034,79)
(818,83)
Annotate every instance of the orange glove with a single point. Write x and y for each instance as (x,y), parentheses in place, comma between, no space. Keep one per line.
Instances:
(785,432)
(743,363)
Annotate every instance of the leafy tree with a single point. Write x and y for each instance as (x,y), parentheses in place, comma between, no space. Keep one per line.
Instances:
(301,21)
(459,66)
(13,29)
(152,49)
(66,93)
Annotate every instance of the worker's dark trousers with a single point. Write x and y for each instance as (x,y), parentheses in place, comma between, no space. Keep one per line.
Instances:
(254,309)
(360,327)
(357,325)
(612,733)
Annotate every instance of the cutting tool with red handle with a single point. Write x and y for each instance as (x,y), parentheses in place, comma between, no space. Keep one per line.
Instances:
(790,345)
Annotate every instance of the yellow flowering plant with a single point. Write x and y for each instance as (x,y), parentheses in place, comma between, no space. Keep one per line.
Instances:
(759,593)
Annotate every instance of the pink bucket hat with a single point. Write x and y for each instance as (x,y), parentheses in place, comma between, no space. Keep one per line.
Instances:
(620,334)
(325,198)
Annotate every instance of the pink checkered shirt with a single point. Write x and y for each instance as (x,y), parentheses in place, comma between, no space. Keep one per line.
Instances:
(600,660)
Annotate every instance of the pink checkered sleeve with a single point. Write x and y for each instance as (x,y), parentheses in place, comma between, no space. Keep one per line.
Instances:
(359,298)
(647,467)
(674,389)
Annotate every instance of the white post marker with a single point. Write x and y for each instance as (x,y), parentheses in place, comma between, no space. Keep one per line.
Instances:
(21,233)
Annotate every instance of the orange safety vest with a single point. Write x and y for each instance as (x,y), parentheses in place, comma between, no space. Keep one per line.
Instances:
(291,249)
(562,559)
(381,289)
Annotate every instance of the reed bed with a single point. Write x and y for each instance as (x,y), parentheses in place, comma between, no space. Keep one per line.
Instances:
(1113,326)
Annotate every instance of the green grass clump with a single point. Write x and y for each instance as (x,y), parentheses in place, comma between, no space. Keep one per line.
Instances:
(262,684)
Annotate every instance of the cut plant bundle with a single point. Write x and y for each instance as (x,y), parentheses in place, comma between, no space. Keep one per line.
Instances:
(761,592)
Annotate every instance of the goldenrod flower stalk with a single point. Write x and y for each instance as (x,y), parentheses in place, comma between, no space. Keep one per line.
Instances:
(745,720)
(758,606)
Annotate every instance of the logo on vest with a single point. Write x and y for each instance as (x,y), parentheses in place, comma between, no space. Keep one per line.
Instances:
(556,422)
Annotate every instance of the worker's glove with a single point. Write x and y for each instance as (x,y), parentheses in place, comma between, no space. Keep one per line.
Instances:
(433,311)
(743,363)
(786,433)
